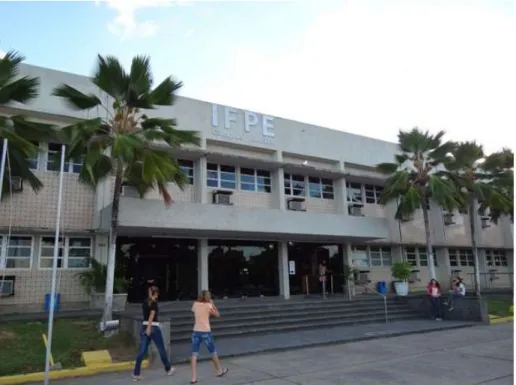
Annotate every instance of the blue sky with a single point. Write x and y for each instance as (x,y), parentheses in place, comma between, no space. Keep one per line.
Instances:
(364,66)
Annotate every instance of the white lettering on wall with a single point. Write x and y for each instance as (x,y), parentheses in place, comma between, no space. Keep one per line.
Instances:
(250,130)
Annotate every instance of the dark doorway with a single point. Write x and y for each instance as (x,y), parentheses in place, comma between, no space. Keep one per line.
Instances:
(305,258)
(171,262)
(243,268)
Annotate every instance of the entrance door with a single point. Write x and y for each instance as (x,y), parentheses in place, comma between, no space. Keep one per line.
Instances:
(157,268)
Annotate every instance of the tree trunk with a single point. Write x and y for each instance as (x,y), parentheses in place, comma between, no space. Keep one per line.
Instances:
(429,248)
(476,271)
(110,279)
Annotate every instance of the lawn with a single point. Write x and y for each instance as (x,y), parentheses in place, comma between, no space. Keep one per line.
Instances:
(499,307)
(22,349)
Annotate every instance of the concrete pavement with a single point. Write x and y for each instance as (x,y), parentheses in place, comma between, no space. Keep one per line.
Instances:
(480,355)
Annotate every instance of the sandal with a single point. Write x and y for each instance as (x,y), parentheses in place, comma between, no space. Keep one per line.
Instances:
(137,378)
(193,382)
(224,372)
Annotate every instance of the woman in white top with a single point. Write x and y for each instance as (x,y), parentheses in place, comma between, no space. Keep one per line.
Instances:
(458,291)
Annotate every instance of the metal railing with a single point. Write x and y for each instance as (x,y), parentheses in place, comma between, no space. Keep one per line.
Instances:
(368,289)
(307,286)
(493,280)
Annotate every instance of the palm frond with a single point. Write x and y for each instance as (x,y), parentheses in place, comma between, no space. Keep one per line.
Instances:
(111,77)
(75,99)
(164,93)
(387,168)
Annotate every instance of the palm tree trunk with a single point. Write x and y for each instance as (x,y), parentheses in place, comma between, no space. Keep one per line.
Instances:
(429,248)
(110,279)
(472,227)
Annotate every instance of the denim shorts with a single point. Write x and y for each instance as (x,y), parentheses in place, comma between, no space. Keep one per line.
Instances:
(202,337)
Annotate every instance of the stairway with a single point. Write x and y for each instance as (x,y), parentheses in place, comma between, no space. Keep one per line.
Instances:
(267,315)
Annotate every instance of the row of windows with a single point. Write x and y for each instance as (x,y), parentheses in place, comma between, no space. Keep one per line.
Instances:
(369,256)
(496,258)
(52,160)
(363,193)
(418,256)
(465,258)
(221,176)
(296,185)
(16,252)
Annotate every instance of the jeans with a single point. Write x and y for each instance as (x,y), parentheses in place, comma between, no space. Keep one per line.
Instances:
(435,302)
(145,341)
(202,337)
(453,297)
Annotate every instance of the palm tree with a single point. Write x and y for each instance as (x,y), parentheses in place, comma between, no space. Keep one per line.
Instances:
(413,179)
(487,180)
(126,143)
(16,132)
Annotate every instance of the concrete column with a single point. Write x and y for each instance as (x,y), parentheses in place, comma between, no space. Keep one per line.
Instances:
(507,231)
(443,270)
(347,254)
(278,185)
(397,253)
(341,193)
(284,278)
(202,265)
(200,175)
(437,223)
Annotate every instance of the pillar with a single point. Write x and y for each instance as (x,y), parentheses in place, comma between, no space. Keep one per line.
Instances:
(341,193)
(200,176)
(278,185)
(284,278)
(202,265)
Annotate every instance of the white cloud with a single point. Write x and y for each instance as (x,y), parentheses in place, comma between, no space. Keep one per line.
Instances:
(2,54)
(374,71)
(126,25)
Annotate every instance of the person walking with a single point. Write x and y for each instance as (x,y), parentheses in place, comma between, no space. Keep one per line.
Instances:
(203,308)
(151,332)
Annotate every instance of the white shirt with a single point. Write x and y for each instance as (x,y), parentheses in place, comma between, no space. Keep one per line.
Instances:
(461,289)
(435,292)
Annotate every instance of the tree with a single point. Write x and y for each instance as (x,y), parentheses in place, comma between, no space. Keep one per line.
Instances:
(19,132)
(484,180)
(413,179)
(128,144)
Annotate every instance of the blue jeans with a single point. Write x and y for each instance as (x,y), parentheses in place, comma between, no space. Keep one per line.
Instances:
(202,337)
(435,302)
(145,341)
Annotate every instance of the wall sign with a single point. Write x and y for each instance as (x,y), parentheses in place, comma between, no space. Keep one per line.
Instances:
(292,267)
(242,126)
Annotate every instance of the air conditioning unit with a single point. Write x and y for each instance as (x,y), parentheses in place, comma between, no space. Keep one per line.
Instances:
(485,221)
(356,210)
(492,275)
(449,219)
(16,184)
(362,278)
(130,191)
(222,198)
(7,286)
(296,205)
(414,276)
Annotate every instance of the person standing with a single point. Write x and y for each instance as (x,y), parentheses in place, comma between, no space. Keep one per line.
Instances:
(434,294)
(203,308)
(323,273)
(151,332)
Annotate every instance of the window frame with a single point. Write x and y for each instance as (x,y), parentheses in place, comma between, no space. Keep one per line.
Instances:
(376,191)
(190,175)
(457,253)
(381,250)
(259,183)
(219,174)
(315,182)
(491,255)
(291,187)
(350,198)
(66,252)
(69,165)
(35,160)
(417,253)
(3,251)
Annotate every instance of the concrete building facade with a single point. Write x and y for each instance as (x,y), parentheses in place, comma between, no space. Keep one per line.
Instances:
(258,186)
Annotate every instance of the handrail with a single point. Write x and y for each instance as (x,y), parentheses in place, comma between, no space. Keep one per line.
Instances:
(384,300)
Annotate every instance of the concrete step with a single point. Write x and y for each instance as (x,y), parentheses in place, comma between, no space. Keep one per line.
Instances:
(279,322)
(275,314)
(293,326)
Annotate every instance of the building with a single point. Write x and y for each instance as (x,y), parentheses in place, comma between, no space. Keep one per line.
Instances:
(268,199)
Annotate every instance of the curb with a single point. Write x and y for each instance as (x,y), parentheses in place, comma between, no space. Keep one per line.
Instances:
(331,343)
(70,373)
(500,320)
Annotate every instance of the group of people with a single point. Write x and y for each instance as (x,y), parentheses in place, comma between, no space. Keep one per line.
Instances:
(458,289)
(202,308)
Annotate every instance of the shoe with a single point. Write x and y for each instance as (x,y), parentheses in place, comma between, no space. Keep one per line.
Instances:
(450,309)
(438,319)
(223,373)
(171,371)
(137,378)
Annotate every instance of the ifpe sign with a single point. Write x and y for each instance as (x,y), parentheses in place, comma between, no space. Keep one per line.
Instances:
(243,126)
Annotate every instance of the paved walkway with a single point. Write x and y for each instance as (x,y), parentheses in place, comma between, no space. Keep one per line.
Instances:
(481,355)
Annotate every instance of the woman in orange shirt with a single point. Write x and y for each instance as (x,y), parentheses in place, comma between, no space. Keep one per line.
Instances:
(203,308)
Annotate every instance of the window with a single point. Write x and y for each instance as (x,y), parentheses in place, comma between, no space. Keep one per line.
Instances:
(359,256)
(54,158)
(496,258)
(418,257)
(187,167)
(320,188)
(73,252)
(294,185)
(354,192)
(15,252)
(380,256)
(220,176)
(372,193)
(255,180)
(461,257)
(34,161)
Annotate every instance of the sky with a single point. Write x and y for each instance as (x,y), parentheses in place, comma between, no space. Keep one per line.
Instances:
(370,67)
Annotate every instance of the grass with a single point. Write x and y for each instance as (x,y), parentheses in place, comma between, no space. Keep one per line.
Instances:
(22,349)
(499,307)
